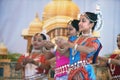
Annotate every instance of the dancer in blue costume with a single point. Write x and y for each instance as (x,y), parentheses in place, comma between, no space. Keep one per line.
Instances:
(62,61)
(73,30)
(84,50)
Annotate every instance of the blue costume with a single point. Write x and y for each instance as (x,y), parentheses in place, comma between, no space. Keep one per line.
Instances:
(80,58)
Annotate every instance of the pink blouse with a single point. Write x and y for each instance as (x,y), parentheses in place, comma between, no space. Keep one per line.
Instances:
(62,64)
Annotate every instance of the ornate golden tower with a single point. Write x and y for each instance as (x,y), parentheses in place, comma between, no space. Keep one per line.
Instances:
(60,8)
(55,17)
(34,27)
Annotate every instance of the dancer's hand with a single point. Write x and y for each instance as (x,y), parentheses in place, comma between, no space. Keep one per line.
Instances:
(62,43)
(48,44)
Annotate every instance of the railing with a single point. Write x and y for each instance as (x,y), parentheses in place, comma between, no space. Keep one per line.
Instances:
(9,72)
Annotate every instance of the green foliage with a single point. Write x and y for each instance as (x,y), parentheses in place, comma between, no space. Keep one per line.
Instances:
(107,55)
(13,56)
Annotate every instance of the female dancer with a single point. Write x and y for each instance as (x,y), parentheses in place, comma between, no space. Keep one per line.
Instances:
(62,61)
(82,49)
(113,62)
(33,63)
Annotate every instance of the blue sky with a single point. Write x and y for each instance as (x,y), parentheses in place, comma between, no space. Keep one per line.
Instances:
(16,15)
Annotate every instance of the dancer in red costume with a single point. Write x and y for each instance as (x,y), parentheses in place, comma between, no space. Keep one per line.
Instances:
(113,62)
(33,63)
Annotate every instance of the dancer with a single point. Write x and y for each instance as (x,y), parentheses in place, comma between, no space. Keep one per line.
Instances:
(83,49)
(62,61)
(113,62)
(33,63)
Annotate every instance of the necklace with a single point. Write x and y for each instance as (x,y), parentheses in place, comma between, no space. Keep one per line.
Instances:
(36,51)
(112,69)
(89,34)
(75,51)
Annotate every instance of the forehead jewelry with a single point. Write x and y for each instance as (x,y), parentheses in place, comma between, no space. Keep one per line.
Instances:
(88,17)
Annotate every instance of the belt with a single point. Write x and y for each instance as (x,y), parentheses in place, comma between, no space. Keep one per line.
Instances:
(36,76)
(78,64)
(62,69)
(116,77)
(67,68)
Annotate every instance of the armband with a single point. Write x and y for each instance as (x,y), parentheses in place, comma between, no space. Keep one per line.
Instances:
(75,47)
(39,64)
(55,48)
(109,60)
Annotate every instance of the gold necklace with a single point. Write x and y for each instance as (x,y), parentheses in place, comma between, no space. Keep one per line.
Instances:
(75,51)
(112,69)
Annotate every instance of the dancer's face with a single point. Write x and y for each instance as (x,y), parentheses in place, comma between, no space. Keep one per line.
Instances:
(71,31)
(84,24)
(118,42)
(37,41)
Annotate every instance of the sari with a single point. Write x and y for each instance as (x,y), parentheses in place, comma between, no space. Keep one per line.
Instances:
(80,61)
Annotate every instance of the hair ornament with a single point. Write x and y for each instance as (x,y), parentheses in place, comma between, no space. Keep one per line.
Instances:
(44,32)
(89,18)
(99,24)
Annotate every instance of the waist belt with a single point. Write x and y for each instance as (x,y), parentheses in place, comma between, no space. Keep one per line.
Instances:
(116,77)
(36,76)
(78,64)
(62,69)
(67,68)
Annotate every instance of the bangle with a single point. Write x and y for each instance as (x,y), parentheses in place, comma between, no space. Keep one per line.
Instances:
(39,64)
(109,60)
(75,47)
(55,48)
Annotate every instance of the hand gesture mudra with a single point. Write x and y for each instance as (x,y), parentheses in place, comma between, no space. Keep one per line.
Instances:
(48,44)
(62,45)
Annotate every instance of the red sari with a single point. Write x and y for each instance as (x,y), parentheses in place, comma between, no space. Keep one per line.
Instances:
(114,69)
(32,71)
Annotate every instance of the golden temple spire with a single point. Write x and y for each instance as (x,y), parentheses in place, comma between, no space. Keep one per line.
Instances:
(35,25)
(37,18)
(3,48)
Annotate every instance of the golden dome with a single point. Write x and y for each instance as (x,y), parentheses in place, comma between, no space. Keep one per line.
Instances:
(61,8)
(3,48)
(35,25)
(56,22)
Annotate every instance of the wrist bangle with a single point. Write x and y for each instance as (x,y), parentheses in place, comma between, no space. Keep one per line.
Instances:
(109,60)
(55,48)
(39,64)
(75,47)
